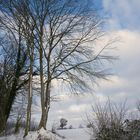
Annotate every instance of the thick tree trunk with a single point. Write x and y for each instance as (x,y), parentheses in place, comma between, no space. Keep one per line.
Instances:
(42,120)
(2,116)
(46,105)
(45,97)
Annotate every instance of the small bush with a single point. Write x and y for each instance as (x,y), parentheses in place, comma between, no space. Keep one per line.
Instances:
(109,123)
(63,122)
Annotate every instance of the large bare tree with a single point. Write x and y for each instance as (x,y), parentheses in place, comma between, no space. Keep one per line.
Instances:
(65,34)
(68,33)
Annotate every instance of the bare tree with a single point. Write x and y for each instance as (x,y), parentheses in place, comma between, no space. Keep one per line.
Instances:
(67,32)
(64,35)
(13,64)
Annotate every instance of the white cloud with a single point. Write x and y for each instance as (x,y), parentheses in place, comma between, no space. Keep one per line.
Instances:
(124,13)
(77,108)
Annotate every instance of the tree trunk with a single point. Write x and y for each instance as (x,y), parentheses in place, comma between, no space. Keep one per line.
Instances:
(46,105)
(43,116)
(30,94)
(28,119)
(45,97)
(2,116)
(47,102)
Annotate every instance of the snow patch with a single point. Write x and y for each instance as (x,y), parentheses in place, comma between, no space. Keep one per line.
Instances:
(68,134)
(42,134)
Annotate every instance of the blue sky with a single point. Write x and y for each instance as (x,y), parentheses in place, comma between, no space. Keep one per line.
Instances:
(123,21)
(124,13)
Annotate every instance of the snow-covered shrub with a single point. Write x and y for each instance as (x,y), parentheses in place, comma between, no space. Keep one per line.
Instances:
(107,122)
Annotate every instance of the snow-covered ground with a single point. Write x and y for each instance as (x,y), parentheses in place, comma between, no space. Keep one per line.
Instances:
(75,134)
(69,134)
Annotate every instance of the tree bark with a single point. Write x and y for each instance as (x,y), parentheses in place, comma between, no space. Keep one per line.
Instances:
(46,105)
(43,115)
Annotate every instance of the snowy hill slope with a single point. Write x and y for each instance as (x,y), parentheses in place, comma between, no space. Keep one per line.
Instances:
(69,134)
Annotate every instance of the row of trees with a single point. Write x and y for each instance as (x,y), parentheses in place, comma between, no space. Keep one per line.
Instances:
(55,39)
